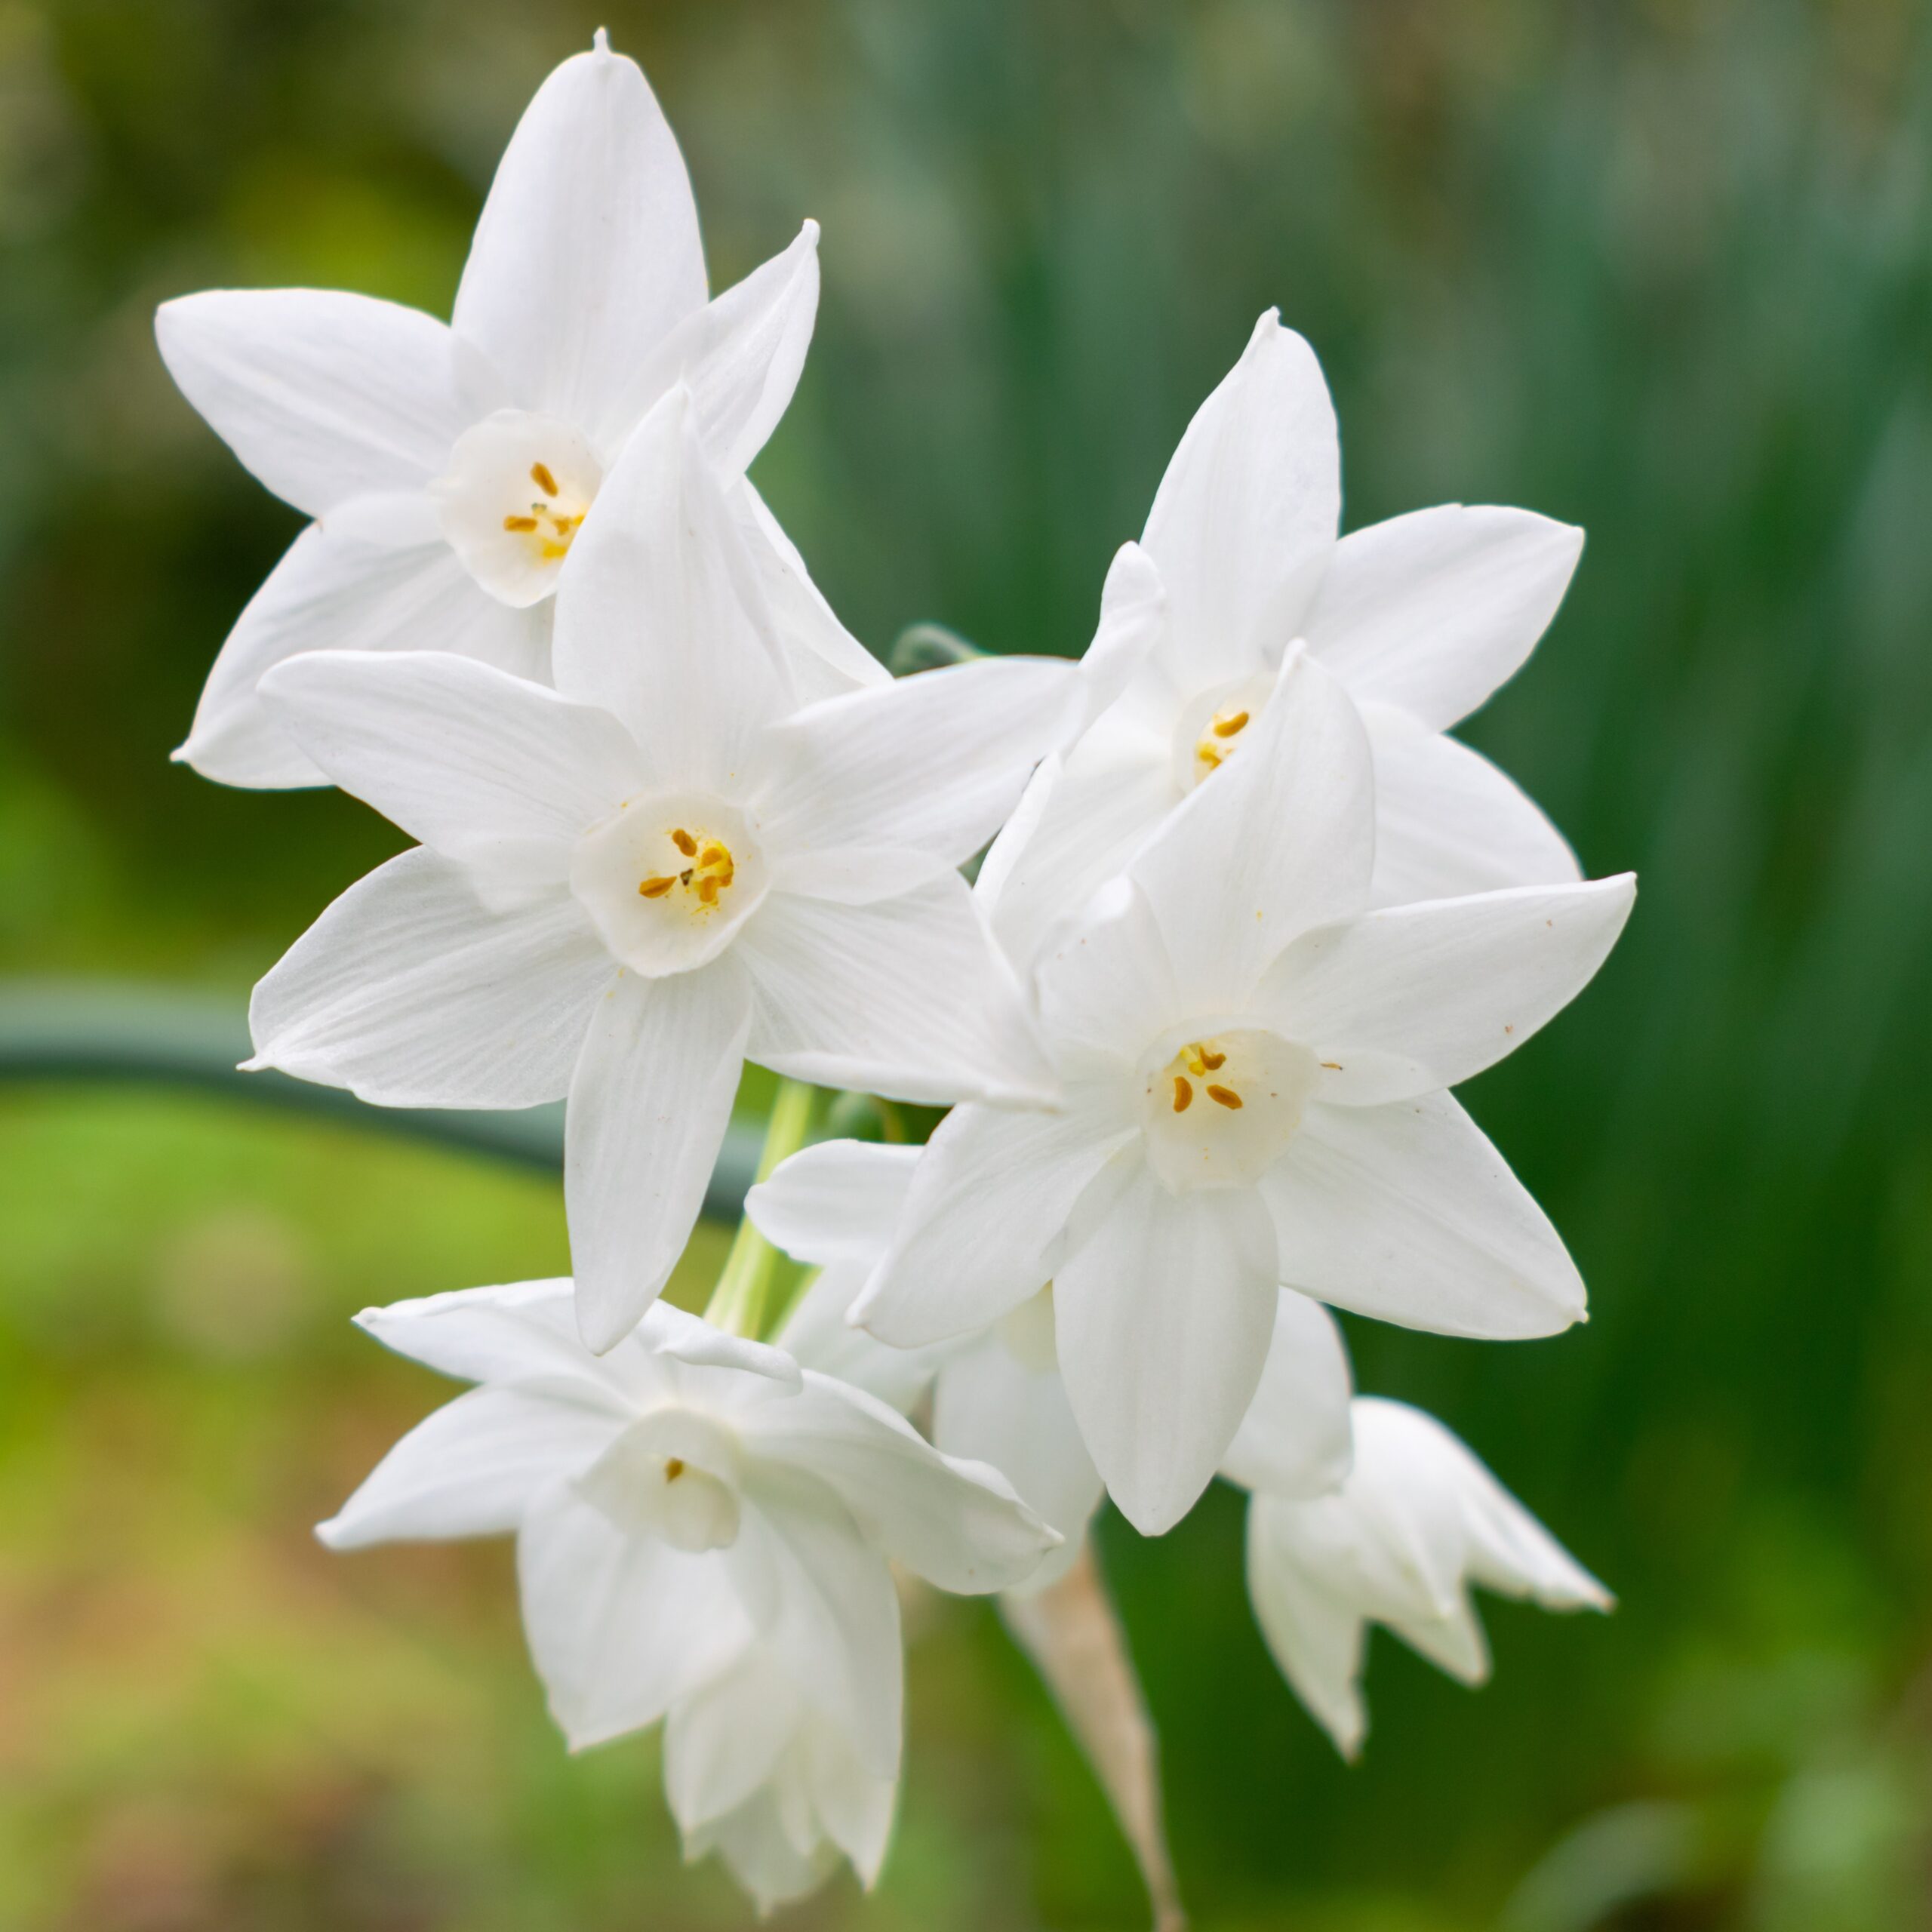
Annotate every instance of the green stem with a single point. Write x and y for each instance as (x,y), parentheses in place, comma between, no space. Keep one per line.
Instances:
(738,1303)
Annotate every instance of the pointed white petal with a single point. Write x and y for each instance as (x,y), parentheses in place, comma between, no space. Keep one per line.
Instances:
(839,1200)
(649,1103)
(490,770)
(1447,823)
(989,1204)
(333,592)
(1432,611)
(659,618)
(1316,1636)
(412,993)
(931,763)
(1294,1440)
(519,1332)
(1279,839)
(325,397)
(907,998)
(1245,520)
(619,1627)
(824,657)
(1406,1212)
(755,1843)
(740,355)
(990,1407)
(474,1468)
(673,1333)
(854,1806)
(1133,617)
(958,1525)
(587,252)
(1418,998)
(1162,1318)
(725,1739)
(824,1602)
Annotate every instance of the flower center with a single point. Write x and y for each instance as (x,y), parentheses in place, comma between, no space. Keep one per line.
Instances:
(1213,727)
(669,879)
(1219,1108)
(674,1474)
(709,873)
(517,490)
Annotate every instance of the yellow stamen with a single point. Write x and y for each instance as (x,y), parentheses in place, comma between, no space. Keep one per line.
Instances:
(1213,1062)
(519,523)
(1224,1097)
(684,842)
(1226,727)
(1183,1095)
(674,1469)
(540,474)
(655,888)
(707,891)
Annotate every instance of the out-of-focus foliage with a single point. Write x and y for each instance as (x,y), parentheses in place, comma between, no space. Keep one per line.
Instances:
(1664,268)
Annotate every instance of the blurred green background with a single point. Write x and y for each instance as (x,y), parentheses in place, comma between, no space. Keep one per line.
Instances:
(1663,269)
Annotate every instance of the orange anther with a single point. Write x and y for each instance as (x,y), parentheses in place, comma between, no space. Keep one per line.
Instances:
(1183,1095)
(655,888)
(519,523)
(1225,728)
(1224,1097)
(540,474)
(684,842)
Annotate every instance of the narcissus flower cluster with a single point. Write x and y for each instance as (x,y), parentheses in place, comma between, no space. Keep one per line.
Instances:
(1247,916)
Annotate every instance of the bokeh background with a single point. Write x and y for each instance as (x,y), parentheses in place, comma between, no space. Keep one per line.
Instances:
(1663,269)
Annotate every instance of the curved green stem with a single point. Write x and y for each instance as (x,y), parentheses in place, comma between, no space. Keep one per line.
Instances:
(738,1303)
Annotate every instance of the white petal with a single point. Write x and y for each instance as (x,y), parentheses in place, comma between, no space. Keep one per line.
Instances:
(1418,997)
(1432,611)
(1133,617)
(931,763)
(1162,1319)
(957,1524)
(907,998)
(839,1200)
(1279,839)
(410,992)
(991,1407)
(825,657)
(672,1332)
(659,618)
(521,1332)
(1245,520)
(854,1806)
(1316,1636)
(474,1468)
(1294,1440)
(989,1202)
(587,252)
(1108,984)
(1406,1212)
(755,1843)
(741,355)
(1086,821)
(490,770)
(724,1740)
(649,1103)
(1447,823)
(824,1601)
(818,1334)
(333,592)
(325,396)
(619,1627)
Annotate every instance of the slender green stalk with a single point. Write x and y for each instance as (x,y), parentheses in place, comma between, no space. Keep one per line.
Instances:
(738,1302)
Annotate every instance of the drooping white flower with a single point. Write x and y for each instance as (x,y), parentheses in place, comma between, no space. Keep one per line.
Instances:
(1420,619)
(628,884)
(1418,1521)
(702,1530)
(449,468)
(1255,1073)
(997,1396)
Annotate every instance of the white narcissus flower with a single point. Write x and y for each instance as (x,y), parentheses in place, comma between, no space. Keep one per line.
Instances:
(630,883)
(449,468)
(704,1530)
(1255,1072)
(997,1396)
(1418,1521)
(1418,619)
